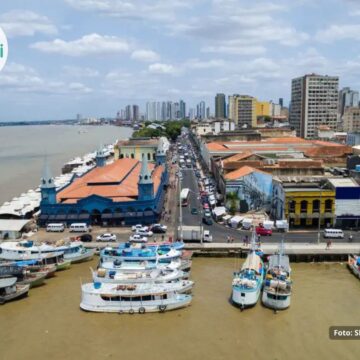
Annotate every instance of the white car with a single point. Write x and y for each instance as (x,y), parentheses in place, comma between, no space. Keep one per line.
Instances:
(164,227)
(138,238)
(106,237)
(139,227)
(207,236)
(144,232)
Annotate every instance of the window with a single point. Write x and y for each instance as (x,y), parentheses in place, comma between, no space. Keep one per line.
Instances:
(303,206)
(316,206)
(132,156)
(328,205)
(291,205)
(149,156)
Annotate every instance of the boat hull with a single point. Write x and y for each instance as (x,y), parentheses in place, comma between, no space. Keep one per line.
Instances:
(353,266)
(64,265)
(21,291)
(137,307)
(245,298)
(276,301)
(36,279)
(80,258)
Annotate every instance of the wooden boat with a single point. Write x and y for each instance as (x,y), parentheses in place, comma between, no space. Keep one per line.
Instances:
(9,290)
(354,264)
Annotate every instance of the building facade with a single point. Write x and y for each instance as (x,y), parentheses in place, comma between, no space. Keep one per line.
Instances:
(220,106)
(314,102)
(351,120)
(245,114)
(348,99)
(122,193)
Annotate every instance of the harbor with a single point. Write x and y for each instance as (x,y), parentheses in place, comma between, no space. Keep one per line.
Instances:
(50,322)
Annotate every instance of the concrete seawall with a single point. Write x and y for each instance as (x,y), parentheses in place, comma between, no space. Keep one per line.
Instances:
(298,252)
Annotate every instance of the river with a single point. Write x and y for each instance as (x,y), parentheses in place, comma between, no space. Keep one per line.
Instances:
(49,324)
(23,150)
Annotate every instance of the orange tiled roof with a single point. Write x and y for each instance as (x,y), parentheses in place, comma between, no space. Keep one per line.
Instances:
(117,181)
(245,170)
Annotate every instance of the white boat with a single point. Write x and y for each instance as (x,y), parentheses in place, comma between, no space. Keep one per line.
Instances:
(354,264)
(139,298)
(247,283)
(9,290)
(140,266)
(277,289)
(123,277)
(74,251)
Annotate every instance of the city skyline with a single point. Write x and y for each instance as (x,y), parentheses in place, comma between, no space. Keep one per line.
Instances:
(95,57)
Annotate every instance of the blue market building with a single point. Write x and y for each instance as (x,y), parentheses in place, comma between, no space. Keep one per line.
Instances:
(125,192)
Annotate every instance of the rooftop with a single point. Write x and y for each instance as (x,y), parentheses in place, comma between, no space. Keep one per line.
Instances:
(243,171)
(117,181)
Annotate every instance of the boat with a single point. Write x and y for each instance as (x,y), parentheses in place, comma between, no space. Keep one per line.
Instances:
(9,290)
(23,275)
(36,265)
(247,283)
(277,288)
(139,252)
(74,251)
(354,264)
(123,277)
(135,298)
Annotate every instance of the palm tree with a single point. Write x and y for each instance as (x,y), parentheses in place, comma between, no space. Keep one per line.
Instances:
(233,198)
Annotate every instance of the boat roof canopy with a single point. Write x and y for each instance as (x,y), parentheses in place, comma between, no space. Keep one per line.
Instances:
(279,261)
(252,262)
(5,282)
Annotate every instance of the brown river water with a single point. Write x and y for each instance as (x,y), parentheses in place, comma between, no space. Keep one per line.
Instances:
(49,324)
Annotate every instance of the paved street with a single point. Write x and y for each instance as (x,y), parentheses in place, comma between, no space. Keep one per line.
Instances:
(221,232)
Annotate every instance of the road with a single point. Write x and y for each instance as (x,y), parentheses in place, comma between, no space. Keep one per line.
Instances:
(220,232)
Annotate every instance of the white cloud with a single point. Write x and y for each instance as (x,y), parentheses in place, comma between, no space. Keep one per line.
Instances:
(208,64)
(244,50)
(339,32)
(145,55)
(146,10)
(92,44)
(77,71)
(26,23)
(159,68)
(23,79)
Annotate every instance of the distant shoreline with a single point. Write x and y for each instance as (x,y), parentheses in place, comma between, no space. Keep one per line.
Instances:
(47,122)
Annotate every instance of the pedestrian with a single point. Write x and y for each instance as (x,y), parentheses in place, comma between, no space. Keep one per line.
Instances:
(328,244)
(232,239)
(228,238)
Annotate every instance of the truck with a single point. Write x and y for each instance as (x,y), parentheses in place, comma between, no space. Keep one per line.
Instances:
(194,233)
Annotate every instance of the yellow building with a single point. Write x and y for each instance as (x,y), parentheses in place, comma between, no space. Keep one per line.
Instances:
(302,206)
(263,108)
(135,148)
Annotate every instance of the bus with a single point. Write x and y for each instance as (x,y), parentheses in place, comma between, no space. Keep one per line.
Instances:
(184,196)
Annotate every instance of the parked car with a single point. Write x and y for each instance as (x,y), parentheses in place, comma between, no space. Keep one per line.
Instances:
(159,229)
(206,206)
(207,236)
(138,238)
(85,238)
(207,212)
(139,227)
(207,220)
(106,237)
(144,232)
(263,231)
(194,211)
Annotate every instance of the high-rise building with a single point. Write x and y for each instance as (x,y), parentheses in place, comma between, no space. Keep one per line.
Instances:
(191,114)
(182,114)
(163,111)
(201,110)
(242,109)
(220,106)
(348,98)
(135,113)
(208,112)
(314,102)
(281,102)
(128,113)
(351,119)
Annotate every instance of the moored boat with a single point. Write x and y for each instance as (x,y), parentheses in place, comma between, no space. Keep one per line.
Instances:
(247,283)
(23,275)
(123,277)
(354,264)
(277,288)
(139,298)
(9,290)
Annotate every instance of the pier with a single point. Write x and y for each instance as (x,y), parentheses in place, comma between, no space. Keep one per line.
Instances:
(298,252)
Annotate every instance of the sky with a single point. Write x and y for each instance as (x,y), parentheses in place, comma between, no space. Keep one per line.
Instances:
(93,57)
